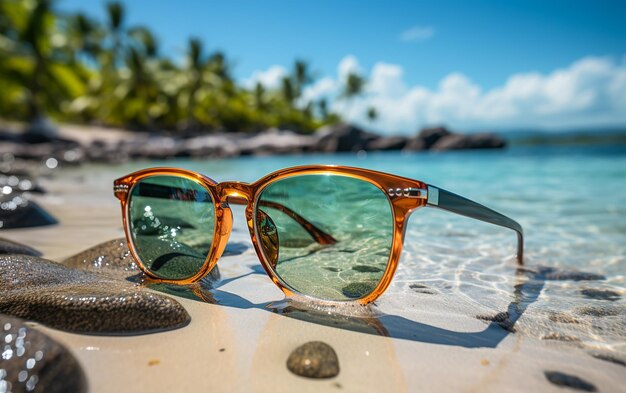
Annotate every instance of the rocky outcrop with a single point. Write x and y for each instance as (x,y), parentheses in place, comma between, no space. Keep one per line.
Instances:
(343,138)
(468,142)
(442,139)
(340,137)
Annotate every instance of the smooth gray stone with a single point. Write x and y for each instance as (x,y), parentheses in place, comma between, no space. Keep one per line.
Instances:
(32,361)
(314,359)
(36,289)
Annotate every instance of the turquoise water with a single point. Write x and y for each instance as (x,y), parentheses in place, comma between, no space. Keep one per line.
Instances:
(570,201)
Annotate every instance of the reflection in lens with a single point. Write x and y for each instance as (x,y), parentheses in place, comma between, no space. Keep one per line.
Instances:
(354,212)
(172,220)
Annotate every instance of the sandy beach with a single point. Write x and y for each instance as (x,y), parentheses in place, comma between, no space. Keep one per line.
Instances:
(241,341)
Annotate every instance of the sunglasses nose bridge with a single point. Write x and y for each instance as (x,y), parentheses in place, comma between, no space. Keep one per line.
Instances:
(237,193)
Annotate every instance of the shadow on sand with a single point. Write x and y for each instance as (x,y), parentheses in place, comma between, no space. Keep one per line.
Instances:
(526,291)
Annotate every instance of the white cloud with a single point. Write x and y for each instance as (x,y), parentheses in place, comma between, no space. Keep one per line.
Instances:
(325,87)
(270,78)
(417,34)
(588,92)
(349,64)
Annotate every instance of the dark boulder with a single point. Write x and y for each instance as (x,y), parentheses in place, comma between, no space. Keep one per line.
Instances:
(342,138)
(426,138)
(466,142)
(19,212)
(388,143)
(34,362)
(78,301)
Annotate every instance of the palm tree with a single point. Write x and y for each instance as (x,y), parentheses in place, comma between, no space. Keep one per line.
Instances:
(36,65)
(115,34)
(301,76)
(372,114)
(353,86)
(288,90)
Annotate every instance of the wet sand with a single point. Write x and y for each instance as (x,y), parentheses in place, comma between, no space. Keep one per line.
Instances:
(242,342)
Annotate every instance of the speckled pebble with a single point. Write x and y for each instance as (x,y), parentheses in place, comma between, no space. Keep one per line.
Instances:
(32,361)
(571,381)
(11,247)
(114,258)
(314,359)
(36,289)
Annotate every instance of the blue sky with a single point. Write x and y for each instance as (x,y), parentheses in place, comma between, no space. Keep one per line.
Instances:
(486,42)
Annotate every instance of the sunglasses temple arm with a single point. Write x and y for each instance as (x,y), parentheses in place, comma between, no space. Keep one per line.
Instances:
(317,234)
(321,237)
(451,202)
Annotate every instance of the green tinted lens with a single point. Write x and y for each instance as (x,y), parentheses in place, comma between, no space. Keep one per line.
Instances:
(172,220)
(354,212)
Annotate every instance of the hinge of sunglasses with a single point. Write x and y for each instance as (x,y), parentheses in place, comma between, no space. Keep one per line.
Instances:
(120,188)
(409,192)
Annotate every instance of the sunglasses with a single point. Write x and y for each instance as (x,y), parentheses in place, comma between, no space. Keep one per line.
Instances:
(330,233)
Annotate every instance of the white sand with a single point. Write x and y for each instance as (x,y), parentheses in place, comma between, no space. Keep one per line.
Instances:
(257,342)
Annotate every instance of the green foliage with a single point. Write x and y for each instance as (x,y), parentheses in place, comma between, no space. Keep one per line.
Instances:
(75,68)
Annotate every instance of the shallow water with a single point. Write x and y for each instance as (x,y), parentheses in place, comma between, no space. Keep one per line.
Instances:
(570,201)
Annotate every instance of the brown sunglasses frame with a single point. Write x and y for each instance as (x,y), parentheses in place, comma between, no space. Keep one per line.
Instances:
(404,195)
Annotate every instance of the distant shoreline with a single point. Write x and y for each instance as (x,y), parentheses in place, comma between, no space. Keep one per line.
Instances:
(79,144)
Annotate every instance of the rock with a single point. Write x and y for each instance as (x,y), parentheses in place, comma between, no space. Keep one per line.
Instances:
(17,211)
(441,139)
(465,142)
(548,273)
(571,381)
(11,247)
(17,182)
(36,289)
(40,130)
(609,357)
(557,336)
(207,146)
(32,361)
(367,269)
(501,319)
(601,311)
(356,290)
(114,258)
(385,143)
(562,317)
(601,294)
(342,138)
(426,138)
(314,359)
(275,142)
(419,288)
